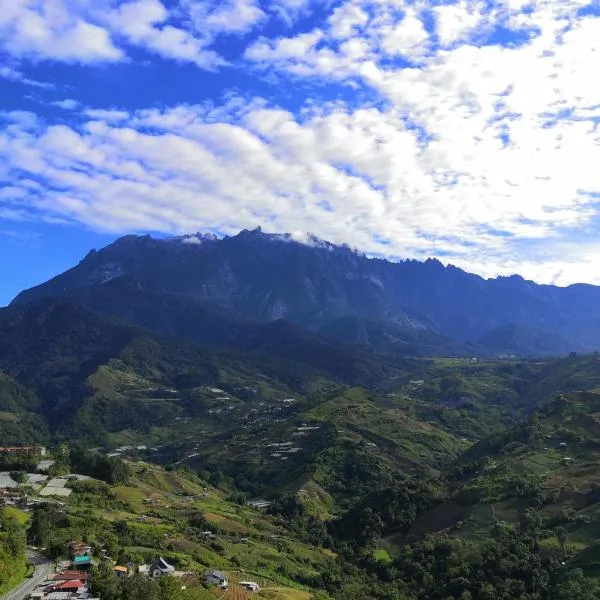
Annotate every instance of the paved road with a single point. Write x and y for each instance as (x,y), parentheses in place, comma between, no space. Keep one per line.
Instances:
(43,568)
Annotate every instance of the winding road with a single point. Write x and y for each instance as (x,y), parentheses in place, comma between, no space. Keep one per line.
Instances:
(43,570)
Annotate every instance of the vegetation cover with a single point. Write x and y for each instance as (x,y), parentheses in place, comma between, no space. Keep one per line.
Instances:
(412,478)
(12,549)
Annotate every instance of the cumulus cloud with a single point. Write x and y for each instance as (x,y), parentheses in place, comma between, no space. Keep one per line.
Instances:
(145,23)
(66,104)
(104,114)
(75,31)
(230,16)
(48,29)
(12,74)
(290,10)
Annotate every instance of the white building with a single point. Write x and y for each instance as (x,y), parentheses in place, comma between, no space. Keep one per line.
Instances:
(216,578)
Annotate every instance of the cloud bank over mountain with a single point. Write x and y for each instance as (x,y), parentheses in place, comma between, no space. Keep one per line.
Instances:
(464,130)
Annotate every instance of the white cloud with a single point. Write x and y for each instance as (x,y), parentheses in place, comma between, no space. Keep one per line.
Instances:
(347,19)
(292,4)
(290,10)
(228,16)
(456,21)
(407,38)
(12,74)
(287,49)
(48,29)
(145,23)
(66,104)
(80,31)
(104,114)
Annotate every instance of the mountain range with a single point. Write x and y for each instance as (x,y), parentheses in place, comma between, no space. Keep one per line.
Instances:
(254,290)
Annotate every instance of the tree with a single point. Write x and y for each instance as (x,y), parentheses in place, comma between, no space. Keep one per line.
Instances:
(170,589)
(104,583)
(40,527)
(138,588)
(19,476)
(452,384)
(576,587)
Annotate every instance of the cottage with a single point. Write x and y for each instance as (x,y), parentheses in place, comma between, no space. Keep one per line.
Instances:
(161,567)
(80,548)
(215,578)
(83,560)
(81,555)
(120,571)
(144,570)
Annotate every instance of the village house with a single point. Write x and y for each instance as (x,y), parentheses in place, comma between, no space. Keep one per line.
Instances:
(217,578)
(82,556)
(161,567)
(144,570)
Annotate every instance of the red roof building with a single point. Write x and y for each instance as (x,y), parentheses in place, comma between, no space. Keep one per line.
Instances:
(68,586)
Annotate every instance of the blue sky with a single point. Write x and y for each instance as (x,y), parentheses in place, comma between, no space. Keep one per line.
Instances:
(462,130)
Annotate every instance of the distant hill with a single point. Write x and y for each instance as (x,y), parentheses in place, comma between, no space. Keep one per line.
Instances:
(214,290)
(394,339)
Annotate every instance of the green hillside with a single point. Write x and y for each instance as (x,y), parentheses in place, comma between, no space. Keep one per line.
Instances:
(192,525)
(343,441)
(545,469)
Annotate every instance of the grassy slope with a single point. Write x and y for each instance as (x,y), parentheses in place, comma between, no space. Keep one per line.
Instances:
(415,425)
(349,442)
(270,555)
(19,576)
(550,464)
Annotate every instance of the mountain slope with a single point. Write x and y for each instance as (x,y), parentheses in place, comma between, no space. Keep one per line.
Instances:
(175,285)
(81,368)
(18,418)
(397,340)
